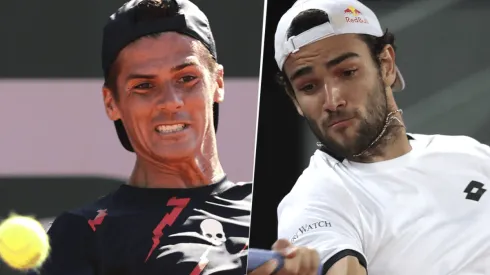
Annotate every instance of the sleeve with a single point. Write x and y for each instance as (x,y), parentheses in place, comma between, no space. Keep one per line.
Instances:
(485,163)
(71,247)
(484,149)
(328,221)
(480,150)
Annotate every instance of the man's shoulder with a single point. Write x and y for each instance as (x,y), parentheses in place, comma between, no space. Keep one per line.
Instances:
(69,222)
(319,177)
(458,140)
(235,190)
(87,210)
(319,183)
(453,144)
(243,184)
(82,215)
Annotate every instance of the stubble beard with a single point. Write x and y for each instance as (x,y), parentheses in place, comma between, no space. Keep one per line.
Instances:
(370,127)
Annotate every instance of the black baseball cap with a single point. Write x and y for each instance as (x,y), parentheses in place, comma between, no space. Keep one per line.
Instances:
(123,28)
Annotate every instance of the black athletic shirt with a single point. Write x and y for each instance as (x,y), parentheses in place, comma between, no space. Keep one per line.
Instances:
(139,231)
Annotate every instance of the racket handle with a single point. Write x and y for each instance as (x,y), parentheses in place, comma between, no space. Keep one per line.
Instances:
(258,257)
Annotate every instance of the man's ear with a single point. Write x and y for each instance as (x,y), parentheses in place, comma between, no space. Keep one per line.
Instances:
(110,104)
(219,93)
(388,65)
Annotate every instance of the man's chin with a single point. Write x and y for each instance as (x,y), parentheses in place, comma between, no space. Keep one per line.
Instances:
(171,152)
(341,147)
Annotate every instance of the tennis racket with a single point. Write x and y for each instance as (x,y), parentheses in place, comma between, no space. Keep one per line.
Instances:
(258,257)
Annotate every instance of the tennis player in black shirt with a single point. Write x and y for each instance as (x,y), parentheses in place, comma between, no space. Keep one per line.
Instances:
(178,214)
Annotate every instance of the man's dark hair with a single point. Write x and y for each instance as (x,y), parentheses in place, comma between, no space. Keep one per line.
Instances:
(312,18)
(149,10)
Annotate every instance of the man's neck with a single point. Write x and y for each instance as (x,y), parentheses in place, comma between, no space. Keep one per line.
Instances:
(393,144)
(188,173)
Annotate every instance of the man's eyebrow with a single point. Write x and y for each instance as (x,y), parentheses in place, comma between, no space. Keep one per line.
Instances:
(339,59)
(139,76)
(301,72)
(183,66)
(152,76)
(332,63)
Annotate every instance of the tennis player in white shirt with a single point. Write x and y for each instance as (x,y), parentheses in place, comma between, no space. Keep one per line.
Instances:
(374,198)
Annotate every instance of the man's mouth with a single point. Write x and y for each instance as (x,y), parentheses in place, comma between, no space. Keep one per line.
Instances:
(338,122)
(169,129)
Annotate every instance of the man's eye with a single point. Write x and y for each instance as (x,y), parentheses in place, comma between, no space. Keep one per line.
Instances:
(349,73)
(307,88)
(143,86)
(187,79)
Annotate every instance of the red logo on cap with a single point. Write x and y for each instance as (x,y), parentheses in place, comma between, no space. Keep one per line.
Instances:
(352,11)
(354,16)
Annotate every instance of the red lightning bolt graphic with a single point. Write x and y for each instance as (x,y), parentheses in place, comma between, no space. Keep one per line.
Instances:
(167,220)
(98,219)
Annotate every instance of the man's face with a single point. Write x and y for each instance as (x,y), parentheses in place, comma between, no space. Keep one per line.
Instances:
(166,92)
(341,91)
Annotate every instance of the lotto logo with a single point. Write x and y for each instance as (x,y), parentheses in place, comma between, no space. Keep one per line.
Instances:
(474,191)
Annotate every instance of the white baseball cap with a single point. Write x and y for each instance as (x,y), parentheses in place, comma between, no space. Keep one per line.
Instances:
(346,17)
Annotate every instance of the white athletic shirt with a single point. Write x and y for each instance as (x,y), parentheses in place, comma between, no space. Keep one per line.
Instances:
(424,213)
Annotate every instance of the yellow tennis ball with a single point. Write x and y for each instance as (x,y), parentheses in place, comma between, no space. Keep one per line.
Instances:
(24,243)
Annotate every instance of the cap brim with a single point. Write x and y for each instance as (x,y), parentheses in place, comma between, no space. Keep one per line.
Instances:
(399,84)
(124,139)
(216,116)
(123,136)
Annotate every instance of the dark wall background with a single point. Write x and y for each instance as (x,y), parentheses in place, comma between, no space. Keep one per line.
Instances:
(279,140)
(45,196)
(444,56)
(58,38)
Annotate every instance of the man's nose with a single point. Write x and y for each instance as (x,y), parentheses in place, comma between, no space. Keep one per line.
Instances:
(170,98)
(333,99)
